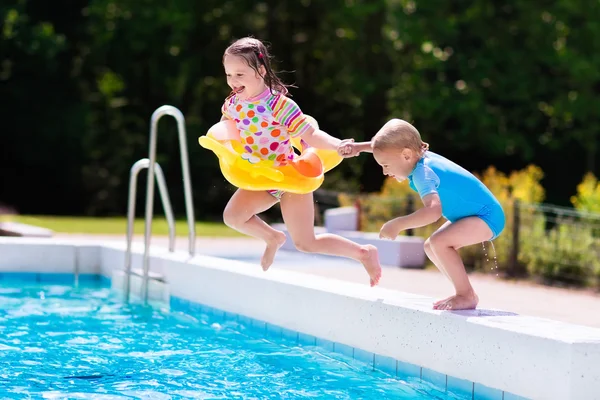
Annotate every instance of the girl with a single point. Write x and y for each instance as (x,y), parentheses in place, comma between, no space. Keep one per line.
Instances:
(474,215)
(258,92)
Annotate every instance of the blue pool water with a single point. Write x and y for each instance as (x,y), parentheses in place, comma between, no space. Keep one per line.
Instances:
(59,341)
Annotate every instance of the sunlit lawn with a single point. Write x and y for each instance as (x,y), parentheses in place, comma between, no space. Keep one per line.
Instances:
(118,225)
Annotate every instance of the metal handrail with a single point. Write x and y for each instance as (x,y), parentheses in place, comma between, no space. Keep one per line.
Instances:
(189,204)
(166,203)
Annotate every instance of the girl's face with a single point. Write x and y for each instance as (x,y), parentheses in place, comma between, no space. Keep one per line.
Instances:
(395,163)
(242,79)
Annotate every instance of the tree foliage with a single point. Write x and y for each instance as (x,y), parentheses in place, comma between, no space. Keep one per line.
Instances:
(486,83)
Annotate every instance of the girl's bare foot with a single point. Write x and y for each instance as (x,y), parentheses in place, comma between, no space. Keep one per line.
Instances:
(272,246)
(370,260)
(467,301)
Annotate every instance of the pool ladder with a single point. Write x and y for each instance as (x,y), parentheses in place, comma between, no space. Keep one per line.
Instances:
(155,172)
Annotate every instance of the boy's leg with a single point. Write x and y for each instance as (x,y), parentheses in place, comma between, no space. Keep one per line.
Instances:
(431,255)
(240,214)
(299,214)
(445,244)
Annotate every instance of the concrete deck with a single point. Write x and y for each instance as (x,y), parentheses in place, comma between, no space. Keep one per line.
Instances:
(567,305)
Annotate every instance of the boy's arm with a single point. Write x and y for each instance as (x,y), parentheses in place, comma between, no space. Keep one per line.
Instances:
(431,212)
(426,183)
(363,147)
(350,149)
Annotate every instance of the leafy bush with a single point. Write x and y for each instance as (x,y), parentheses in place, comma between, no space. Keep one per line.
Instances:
(588,194)
(567,252)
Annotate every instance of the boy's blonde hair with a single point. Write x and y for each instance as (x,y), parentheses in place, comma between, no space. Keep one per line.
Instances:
(399,134)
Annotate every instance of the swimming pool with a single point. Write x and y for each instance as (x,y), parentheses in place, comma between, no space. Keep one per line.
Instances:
(483,354)
(58,340)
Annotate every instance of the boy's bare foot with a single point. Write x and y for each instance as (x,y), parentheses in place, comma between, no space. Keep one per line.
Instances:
(370,260)
(438,302)
(272,246)
(459,302)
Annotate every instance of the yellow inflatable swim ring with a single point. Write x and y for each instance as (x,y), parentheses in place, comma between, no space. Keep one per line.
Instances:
(304,175)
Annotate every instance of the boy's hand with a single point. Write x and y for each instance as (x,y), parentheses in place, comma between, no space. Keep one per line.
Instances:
(389,230)
(347,148)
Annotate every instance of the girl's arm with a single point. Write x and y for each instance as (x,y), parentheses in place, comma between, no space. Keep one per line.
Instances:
(320,140)
(287,113)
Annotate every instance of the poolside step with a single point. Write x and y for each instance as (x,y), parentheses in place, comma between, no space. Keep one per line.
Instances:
(23,230)
(404,252)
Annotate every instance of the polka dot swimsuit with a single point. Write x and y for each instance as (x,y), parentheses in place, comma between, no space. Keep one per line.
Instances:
(266,123)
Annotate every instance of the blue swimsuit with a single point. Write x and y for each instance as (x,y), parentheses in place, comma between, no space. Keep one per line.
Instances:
(461,193)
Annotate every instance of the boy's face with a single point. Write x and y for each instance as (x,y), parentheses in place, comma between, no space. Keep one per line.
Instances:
(395,163)
(242,79)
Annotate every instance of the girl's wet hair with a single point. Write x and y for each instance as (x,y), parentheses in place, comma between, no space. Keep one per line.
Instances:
(256,55)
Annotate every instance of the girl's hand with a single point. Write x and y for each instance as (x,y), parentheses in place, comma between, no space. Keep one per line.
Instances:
(390,230)
(347,148)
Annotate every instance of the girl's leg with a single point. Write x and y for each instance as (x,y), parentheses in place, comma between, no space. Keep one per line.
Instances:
(299,214)
(240,214)
(445,243)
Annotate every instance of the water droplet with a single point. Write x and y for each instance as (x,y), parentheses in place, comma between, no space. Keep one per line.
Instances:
(487,259)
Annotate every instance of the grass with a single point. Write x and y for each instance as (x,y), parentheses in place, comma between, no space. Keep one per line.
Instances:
(118,225)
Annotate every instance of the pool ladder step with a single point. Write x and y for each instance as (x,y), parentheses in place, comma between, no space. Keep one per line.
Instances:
(156,286)
(155,172)
(151,275)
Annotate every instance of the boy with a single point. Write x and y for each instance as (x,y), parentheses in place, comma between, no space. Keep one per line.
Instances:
(474,215)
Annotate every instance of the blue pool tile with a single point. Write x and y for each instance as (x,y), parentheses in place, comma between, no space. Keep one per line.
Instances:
(196,309)
(289,335)
(228,316)
(56,278)
(346,350)
(188,307)
(325,344)
(363,356)
(199,308)
(460,387)
(510,396)
(306,340)
(176,304)
(19,276)
(482,392)
(105,280)
(184,304)
(385,364)
(273,331)
(204,309)
(216,314)
(258,326)
(93,278)
(435,378)
(244,321)
(53,278)
(406,370)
